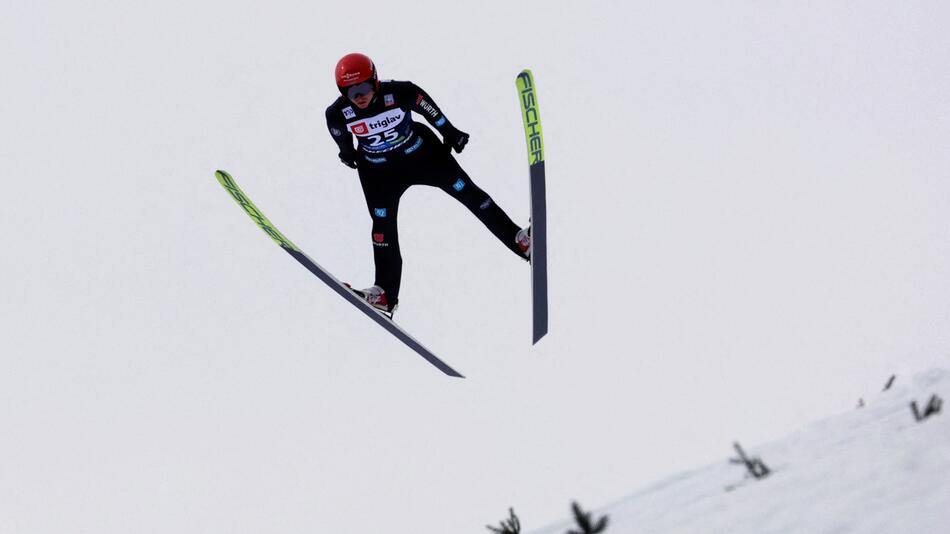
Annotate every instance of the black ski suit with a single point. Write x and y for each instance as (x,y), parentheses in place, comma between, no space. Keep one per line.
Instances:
(394,153)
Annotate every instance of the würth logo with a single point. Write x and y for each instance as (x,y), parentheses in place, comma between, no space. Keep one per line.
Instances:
(427,107)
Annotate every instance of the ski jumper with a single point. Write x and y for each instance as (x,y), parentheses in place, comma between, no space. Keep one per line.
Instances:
(394,153)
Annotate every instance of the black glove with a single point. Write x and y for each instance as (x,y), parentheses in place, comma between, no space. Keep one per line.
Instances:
(454,138)
(348,159)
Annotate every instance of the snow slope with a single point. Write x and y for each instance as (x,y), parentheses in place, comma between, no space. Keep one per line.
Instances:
(874,470)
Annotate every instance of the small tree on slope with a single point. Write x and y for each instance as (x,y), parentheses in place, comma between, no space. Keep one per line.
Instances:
(584,521)
(511,526)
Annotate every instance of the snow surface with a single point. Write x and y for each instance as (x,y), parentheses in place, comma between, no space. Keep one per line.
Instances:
(875,470)
(747,208)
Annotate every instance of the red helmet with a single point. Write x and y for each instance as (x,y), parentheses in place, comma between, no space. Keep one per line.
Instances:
(355,68)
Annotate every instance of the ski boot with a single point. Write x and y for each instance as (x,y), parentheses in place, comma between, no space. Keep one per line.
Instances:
(523,240)
(376,297)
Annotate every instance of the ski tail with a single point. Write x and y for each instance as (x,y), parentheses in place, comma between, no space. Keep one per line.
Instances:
(534,139)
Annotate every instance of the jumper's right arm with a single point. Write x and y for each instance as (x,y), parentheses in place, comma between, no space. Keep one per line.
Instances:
(342,137)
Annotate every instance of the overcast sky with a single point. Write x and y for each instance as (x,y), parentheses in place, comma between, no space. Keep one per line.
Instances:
(748,230)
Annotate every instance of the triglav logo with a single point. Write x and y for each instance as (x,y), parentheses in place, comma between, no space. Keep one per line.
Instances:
(379,123)
(384,122)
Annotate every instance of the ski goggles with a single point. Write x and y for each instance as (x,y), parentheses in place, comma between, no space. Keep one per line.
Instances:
(361,89)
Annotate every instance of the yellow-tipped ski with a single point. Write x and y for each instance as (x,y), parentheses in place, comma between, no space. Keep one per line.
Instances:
(531,117)
(331,281)
(249,208)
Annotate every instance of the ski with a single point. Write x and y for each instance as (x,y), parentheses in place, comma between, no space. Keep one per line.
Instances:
(539,245)
(376,315)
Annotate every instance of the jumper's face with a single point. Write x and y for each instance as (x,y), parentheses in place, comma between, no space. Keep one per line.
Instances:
(361,94)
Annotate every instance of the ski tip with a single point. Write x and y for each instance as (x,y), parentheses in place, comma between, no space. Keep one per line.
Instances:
(524,80)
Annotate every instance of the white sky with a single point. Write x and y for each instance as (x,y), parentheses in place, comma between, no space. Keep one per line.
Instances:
(747,211)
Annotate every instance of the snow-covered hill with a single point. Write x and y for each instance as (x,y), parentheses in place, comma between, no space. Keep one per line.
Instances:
(875,470)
